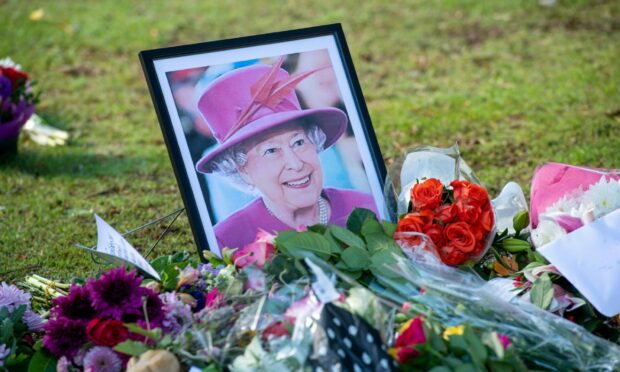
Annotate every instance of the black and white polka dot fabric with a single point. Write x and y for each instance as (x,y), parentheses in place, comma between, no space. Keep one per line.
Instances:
(353,344)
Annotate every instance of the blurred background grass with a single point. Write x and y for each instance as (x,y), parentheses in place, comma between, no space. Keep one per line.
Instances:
(516,83)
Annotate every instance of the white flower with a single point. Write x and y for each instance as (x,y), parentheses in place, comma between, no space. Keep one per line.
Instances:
(8,62)
(604,195)
(547,231)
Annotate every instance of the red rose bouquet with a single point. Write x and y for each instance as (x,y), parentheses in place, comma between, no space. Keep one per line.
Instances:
(457,219)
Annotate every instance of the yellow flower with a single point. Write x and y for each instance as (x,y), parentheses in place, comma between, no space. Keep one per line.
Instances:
(451,331)
(37,15)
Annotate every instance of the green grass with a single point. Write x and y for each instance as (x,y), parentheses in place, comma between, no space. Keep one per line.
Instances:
(515,83)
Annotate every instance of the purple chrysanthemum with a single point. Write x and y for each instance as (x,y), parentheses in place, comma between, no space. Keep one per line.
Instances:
(178,314)
(102,359)
(33,320)
(64,337)
(154,310)
(76,305)
(13,297)
(116,293)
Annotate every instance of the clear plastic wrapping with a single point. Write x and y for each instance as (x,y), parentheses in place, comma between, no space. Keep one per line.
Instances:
(455,296)
(438,195)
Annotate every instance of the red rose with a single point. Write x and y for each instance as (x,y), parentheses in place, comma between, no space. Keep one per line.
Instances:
(415,222)
(275,330)
(470,192)
(412,222)
(460,236)
(460,189)
(477,194)
(14,75)
(486,219)
(452,256)
(478,231)
(411,333)
(427,195)
(467,212)
(435,232)
(107,332)
(445,213)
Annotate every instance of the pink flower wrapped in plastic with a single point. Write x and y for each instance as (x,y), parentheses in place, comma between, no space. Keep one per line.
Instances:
(575,217)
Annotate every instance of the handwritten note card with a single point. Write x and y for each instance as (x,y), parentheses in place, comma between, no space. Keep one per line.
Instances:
(111,244)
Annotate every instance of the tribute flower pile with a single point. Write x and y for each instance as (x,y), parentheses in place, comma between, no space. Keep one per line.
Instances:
(458,219)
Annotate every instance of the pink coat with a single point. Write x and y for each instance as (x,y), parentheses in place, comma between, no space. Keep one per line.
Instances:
(240,228)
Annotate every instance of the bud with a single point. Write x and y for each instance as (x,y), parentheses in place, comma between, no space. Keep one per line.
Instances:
(521,220)
(154,286)
(516,245)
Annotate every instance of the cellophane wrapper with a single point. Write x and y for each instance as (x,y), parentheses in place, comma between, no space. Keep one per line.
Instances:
(454,296)
(423,162)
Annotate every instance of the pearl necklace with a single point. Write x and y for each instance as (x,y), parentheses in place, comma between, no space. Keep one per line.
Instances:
(323,211)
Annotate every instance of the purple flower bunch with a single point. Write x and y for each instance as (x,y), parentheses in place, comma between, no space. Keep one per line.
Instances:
(17,101)
(93,314)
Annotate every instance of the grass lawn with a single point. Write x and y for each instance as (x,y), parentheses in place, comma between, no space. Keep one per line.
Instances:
(514,82)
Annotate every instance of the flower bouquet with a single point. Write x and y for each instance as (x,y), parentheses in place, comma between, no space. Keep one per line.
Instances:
(576,226)
(447,212)
(17,104)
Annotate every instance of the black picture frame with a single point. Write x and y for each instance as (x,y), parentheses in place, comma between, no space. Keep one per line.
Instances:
(156,63)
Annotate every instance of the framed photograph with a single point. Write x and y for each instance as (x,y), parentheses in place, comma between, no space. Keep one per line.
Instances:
(266,132)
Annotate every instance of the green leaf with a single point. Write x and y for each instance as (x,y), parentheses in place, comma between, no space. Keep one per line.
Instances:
(356,258)
(42,361)
(300,244)
(467,368)
(130,347)
(347,237)
(389,228)
(169,277)
(357,218)
(458,344)
(542,291)
(475,347)
(381,263)
(371,226)
(335,246)
(440,369)
(153,334)
(379,241)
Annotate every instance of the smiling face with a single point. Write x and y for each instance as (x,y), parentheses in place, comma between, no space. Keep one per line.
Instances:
(284,166)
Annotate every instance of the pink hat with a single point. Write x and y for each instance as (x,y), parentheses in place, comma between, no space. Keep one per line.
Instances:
(247,101)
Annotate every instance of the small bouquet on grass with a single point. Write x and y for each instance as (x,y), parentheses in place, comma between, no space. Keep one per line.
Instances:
(447,212)
(17,103)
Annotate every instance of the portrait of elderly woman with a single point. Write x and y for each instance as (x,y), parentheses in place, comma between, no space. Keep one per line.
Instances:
(269,146)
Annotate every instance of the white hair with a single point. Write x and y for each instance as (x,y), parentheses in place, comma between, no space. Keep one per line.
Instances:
(230,161)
